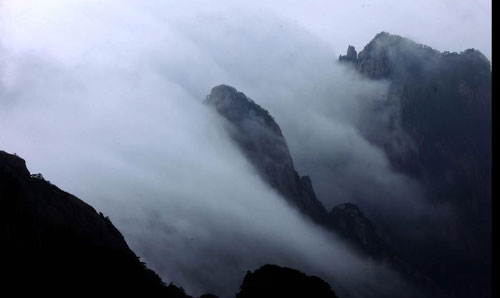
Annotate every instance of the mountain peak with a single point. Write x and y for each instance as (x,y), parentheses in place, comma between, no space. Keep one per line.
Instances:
(223,93)
(386,35)
(382,33)
(223,89)
(260,139)
(239,109)
(387,54)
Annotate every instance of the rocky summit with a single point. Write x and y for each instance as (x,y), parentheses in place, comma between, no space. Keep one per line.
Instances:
(260,139)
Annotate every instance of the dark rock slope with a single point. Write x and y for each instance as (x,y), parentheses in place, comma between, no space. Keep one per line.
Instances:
(443,105)
(351,224)
(273,281)
(260,139)
(55,244)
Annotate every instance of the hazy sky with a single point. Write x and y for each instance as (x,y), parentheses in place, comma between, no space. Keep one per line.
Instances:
(452,25)
(103,98)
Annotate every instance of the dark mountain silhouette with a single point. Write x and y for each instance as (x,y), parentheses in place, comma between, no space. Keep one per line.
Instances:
(274,281)
(260,139)
(55,244)
(441,105)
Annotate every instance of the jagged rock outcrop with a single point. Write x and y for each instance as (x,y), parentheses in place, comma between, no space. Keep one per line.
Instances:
(55,244)
(260,139)
(274,281)
(351,55)
(444,107)
(351,224)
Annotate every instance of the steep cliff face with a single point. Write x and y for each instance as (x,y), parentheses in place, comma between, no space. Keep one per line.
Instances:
(443,105)
(54,243)
(260,139)
(274,281)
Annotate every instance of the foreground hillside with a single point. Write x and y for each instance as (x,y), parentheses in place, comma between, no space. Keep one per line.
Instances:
(54,243)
